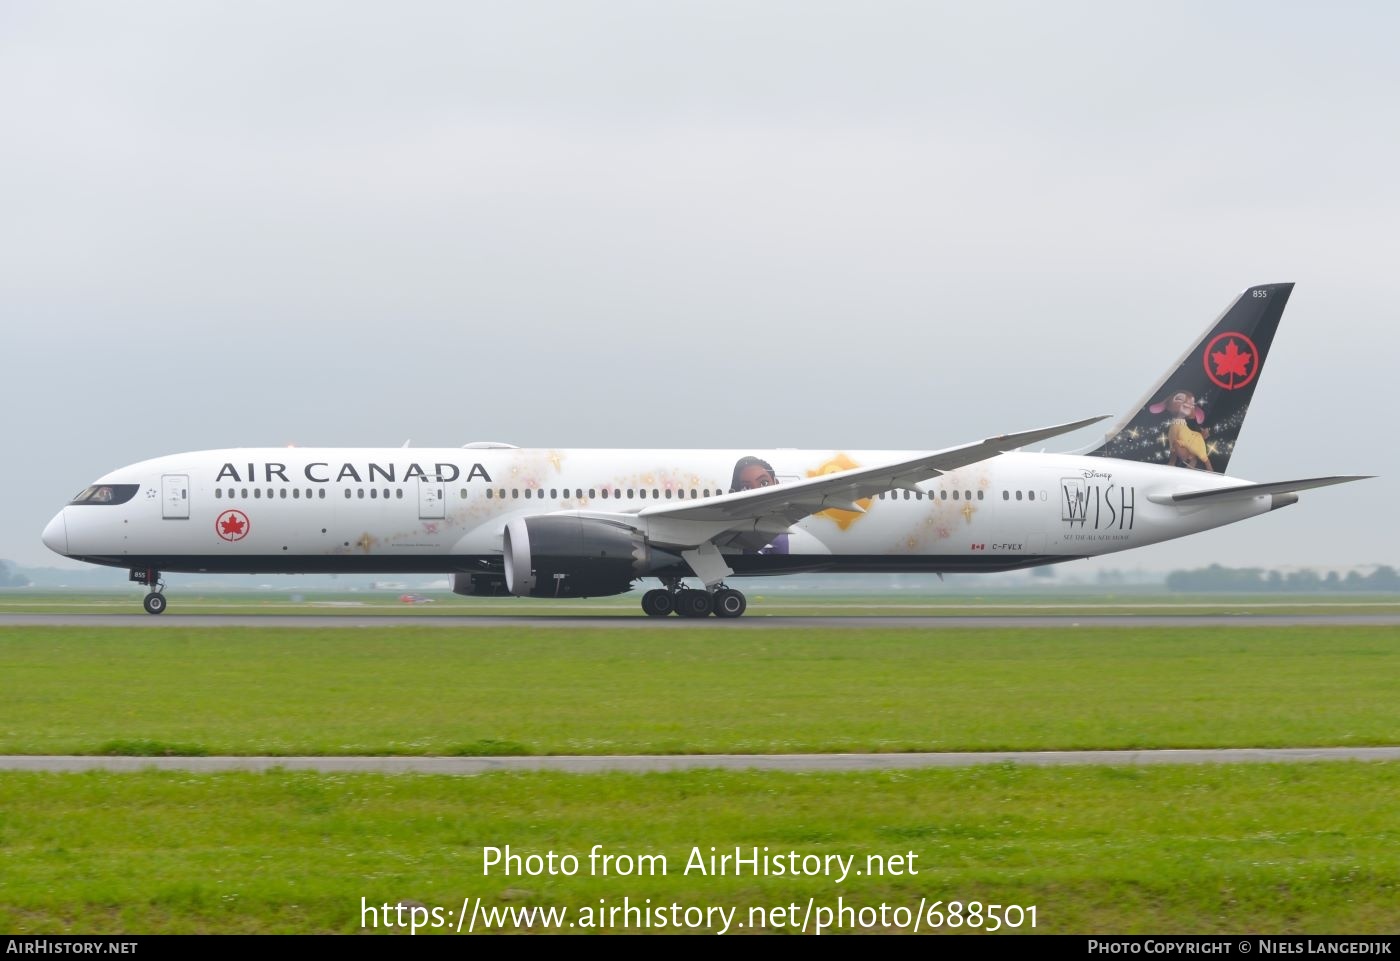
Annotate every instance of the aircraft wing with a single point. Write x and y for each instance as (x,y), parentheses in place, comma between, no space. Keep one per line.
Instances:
(784,504)
(1254,490)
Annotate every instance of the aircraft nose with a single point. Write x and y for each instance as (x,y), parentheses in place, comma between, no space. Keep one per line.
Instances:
(56,535)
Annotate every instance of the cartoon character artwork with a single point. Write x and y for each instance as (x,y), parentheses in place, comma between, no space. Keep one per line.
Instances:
(754,473)
(1186,444)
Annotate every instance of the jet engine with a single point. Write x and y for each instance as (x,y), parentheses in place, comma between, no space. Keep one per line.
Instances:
(570,556)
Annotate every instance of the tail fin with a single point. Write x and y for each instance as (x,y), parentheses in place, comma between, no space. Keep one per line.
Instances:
(1192,417)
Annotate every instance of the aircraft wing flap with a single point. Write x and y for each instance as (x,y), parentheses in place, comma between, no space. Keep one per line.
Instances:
(841,490)
(1257,490)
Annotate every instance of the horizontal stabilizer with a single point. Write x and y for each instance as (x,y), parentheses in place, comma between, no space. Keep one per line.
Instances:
(1254,490)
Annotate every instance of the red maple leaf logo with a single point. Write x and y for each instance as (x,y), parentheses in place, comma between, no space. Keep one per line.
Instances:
(1232,361)
(231,525)
(1234,367)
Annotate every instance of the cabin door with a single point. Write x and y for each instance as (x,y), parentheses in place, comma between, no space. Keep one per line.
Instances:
(432,501)
(175,497)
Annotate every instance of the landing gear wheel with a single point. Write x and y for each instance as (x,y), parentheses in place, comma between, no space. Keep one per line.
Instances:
(729,603)
(693,604)
(154,603)
(658,603)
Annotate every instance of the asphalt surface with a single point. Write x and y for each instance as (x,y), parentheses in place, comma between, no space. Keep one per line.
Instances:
(748,622)
(580,764)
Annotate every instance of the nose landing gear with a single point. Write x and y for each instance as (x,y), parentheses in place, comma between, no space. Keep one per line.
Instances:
(154,602)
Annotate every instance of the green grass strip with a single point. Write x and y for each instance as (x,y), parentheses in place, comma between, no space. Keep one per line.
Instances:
(1309,848)
(512,690)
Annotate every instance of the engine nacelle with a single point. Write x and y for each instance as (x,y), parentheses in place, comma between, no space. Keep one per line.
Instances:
(569,556)
(478,585)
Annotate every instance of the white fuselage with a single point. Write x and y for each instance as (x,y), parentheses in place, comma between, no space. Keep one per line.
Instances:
(445,510)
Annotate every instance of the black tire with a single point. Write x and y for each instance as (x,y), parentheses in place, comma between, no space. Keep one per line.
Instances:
(154,603)
(693,604)
(658,603)
(730,603)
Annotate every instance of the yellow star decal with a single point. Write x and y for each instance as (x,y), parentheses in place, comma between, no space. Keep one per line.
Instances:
(843,519)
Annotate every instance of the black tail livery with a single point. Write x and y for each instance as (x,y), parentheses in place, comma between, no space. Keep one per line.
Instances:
(1193,417)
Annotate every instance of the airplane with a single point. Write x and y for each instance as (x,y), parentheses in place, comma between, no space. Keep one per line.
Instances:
(560,523)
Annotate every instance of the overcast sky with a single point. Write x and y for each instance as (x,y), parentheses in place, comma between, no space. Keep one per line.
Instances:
(853,225)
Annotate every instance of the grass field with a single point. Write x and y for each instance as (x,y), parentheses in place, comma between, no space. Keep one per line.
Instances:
(1304,848)
(509,690)
(1257,848)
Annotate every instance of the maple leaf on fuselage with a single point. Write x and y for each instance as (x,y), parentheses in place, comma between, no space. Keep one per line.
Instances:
(1232,361)
(233,525)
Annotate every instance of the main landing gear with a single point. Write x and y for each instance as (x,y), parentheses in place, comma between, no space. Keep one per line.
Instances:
(154,602)
(688,602)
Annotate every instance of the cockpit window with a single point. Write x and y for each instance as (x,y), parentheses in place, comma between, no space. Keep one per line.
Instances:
(107,494)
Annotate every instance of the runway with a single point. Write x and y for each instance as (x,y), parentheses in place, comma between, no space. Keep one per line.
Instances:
(749,622)
(641,763)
